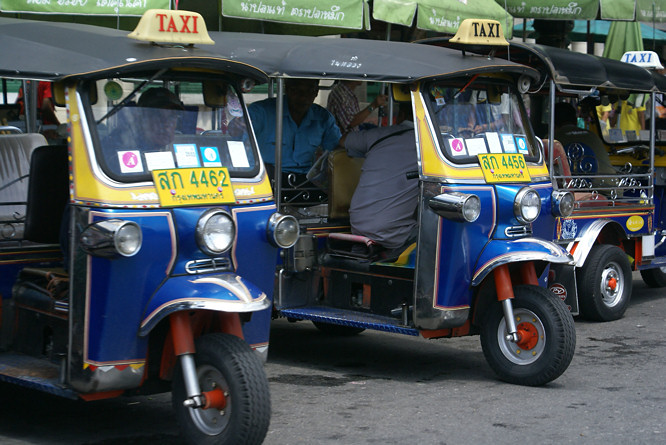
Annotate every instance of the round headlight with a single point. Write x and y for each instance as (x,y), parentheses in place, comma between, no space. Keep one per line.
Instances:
(527,205)
(471,208)
(283,230)
(127,239)
(215,232)
(563,203)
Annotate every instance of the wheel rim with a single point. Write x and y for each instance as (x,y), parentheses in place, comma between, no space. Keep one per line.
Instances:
(532,338)
(212,421)
(612,284)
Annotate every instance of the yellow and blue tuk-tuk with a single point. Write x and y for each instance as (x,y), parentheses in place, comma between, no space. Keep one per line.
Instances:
(139,257)
(486,210)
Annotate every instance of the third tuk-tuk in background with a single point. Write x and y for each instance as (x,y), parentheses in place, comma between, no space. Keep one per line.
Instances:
(485,211)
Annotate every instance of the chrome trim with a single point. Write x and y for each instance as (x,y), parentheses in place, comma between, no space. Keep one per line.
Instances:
(518,231)
(220,264)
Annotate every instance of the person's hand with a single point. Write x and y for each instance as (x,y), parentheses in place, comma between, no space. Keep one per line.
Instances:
(380,101)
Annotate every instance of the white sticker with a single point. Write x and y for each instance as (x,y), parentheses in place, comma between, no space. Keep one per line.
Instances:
(186,155)
(494,144)
(130,161)
(210,156)
(521,142)
(159,160)
(476,146)
(457,147)
(237,154)
(508,143)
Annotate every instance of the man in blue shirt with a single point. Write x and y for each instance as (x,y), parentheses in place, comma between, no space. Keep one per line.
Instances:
(307,128)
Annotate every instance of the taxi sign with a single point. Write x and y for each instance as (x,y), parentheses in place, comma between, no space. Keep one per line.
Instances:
(193,186)
(166,26)
(504,167)
(645,59)
(480,32)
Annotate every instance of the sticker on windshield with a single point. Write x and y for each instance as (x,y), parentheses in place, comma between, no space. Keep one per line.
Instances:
(476,146)
(210,156)
(457,146)
(508,143)
(130,161)
(237,154)
(521,142)
(494,144)
(186,155)
(158,160)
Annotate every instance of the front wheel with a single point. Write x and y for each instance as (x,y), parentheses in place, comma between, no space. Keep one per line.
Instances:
(604,284)
(225,361)
(654,277)
(547,338)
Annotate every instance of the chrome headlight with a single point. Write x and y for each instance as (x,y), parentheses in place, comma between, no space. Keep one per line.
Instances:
(282,230)
(111,238)
(216,231)
(456,206)
(562,203)
(527,205)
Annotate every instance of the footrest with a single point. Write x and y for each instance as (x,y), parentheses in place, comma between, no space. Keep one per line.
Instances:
(355,246)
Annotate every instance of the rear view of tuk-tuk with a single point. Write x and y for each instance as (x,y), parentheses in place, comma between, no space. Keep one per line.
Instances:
(485,209)
(151,238)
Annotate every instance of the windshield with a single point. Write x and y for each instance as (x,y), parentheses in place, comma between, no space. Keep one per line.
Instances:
(141,128)
(482,117)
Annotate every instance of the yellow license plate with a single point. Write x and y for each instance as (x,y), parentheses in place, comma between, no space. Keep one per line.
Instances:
(194,186)
(504,167)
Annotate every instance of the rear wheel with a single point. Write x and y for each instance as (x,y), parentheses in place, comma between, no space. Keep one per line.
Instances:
(654,277)
(604,284)
(547,338)
(225,362)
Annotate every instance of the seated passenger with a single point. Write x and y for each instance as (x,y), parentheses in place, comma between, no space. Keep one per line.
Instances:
(384,203)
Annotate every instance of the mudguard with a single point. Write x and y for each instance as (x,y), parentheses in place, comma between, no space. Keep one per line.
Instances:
(225,292)
(498,252)
(587,237)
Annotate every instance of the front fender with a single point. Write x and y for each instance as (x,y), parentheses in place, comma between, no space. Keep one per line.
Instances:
(588,236)
(498,252)
(225,292)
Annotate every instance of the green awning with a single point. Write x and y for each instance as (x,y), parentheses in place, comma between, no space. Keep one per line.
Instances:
(444,16)
(347,14)
(101,7)
(641,10)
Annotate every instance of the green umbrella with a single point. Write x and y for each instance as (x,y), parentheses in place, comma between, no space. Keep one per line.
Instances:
(641,10)
(444,16)
(623,37)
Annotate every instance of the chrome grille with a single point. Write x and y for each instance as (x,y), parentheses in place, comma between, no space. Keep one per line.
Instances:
(518,231)
(208,265)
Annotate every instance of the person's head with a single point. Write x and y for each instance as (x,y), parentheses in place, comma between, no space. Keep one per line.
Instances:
(161,115)
(301,94)
(565,114)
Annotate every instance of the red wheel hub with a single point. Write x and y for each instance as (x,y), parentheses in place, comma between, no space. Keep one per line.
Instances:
(612,283)
(528,337)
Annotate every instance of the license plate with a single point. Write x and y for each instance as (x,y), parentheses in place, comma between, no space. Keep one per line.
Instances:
(193,186)
(504,167)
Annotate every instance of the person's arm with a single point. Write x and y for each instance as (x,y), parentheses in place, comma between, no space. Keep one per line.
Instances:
(362,115)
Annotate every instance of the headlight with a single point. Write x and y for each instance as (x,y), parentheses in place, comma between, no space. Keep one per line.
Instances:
(216,232)
(456,206)
(282,230)
(527,205)
(111,238)
(562,203)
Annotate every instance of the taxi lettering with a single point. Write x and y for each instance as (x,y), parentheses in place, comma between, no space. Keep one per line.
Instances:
(172,27)
(489,30)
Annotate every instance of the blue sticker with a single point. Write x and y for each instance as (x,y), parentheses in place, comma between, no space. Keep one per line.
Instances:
(521,142)
(210,157)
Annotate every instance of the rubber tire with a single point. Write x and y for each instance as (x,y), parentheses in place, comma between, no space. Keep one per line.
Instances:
(337,330)
(589,281)
(553,355)
(654,277)
(243,377)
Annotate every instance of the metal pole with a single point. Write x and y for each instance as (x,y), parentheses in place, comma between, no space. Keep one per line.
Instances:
(653,136)
(279,113)
(551,128)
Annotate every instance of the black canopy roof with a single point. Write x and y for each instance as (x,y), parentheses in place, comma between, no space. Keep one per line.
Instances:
(50,51)
(360,59)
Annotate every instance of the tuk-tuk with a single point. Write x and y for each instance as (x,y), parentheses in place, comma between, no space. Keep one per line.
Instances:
(139,257)
(486,209)
(617,225)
